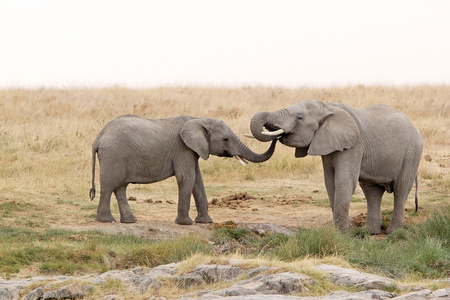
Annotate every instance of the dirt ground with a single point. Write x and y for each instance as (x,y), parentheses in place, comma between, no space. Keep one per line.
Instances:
(276,204)
(282,206)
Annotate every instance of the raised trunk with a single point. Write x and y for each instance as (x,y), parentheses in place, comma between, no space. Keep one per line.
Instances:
(249,155)
(257,124)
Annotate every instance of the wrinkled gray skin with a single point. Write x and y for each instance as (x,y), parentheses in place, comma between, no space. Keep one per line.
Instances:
(133,149)
(377,146)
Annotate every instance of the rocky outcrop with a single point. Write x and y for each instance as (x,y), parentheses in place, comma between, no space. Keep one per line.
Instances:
(254,284)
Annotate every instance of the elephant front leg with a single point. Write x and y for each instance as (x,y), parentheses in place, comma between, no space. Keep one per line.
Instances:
(201,202)
(342,168)
(104,207)
(374,194)
(344,188)
(126,215)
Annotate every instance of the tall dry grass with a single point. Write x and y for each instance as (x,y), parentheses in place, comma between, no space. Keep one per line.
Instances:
(46,134)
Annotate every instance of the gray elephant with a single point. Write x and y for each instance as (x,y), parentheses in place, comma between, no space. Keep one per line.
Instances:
(377,146)
(134,149)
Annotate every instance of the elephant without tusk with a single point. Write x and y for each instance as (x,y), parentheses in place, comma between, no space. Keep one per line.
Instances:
(134,149)
(377,146)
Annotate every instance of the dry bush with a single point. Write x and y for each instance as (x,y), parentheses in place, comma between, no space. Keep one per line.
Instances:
(46,134)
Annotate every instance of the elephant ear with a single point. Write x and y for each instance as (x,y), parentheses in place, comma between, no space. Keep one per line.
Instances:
(195,135)
(337,132)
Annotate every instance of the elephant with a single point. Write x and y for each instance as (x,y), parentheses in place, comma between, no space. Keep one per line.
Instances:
(377,146)
(134,149)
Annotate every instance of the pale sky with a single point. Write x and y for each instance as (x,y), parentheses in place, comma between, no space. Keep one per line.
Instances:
(133,43)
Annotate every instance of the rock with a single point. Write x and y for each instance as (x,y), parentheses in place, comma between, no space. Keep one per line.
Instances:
(262,229)
(349,277)
(169,269)
(253,272)
(187,280)
(260,283)
(283,283)
(145,282)
(423,294)
(124,276)
(6,294)
(442,293)
(72,291)
(369,294)
(113,297)
(247,297)
(214,273)
(35,294)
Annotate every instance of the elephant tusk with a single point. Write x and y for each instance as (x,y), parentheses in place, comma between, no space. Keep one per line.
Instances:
(249,135)
(273,133)
(240,160)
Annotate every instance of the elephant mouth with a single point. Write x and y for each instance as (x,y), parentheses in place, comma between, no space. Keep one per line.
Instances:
(225,153)
(285,139)
(239,158)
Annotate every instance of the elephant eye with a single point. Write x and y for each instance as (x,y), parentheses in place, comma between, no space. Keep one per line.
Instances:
(300,117)
(225,139)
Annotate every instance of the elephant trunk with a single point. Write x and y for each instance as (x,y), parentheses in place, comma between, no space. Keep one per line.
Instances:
(251,156)
(266,120)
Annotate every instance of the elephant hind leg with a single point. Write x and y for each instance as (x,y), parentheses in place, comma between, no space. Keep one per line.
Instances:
(126,215)
(104,207)
(374,194)
(402,187)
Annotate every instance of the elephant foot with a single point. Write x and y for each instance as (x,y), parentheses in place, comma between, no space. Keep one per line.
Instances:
(203,219)
(183,220)
(128,219)
(391,229)
(373,230)
(105,219)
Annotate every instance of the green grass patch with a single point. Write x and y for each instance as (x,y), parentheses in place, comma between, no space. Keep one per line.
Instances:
(67,252)
(422,249)
(242,236)
(417,250)
(318,242)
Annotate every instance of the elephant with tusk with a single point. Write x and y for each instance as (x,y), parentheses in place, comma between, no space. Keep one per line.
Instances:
(377,146)
(134,149)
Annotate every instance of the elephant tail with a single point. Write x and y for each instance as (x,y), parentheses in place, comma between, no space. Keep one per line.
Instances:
(416,199)
(94,152)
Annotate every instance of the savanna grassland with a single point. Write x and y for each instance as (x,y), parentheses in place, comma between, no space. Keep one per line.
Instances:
(45,176)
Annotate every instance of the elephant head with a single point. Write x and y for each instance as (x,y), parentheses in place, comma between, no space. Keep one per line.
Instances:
(213,136)
(312,127)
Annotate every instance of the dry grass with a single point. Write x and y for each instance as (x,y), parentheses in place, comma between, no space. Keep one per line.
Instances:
(46,137)
(46,134)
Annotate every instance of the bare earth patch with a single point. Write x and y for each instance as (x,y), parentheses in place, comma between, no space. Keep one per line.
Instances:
(287,210)
(288,203)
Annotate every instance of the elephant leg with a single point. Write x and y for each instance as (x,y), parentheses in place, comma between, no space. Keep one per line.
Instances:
(185,180)
(201,202)
(342,198)
(346,173)
(104,206)
(126,215)
(402,187)
(374,194)
(328,174)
